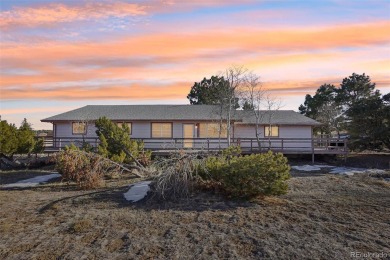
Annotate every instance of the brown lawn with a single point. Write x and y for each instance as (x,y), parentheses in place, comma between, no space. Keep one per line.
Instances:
(322,216)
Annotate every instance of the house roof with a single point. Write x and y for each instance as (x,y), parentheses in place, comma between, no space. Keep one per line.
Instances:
(177,112)
(139,112)
(275,117)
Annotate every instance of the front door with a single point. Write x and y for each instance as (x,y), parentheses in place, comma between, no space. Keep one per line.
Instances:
(188,132)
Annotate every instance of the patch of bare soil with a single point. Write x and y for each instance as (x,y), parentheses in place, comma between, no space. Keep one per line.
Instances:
(323,216)
(370,160)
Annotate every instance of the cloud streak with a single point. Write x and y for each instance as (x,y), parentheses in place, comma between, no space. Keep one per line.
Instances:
(169,91)
(52,15)
(142,51)
(166,56)
(56,13)
(175,90)
(245,39)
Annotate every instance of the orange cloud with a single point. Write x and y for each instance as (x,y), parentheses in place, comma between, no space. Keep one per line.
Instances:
(25,111)
(52,14)
(205,42)
(176,90)
(186,47)
(306,86)
(188,57)
(172,91)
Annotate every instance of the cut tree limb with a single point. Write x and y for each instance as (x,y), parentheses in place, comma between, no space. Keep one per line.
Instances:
(127,168)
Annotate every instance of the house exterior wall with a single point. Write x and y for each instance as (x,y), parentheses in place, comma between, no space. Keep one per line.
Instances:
(285,131)
(142,130)
(288,137)
(246,131)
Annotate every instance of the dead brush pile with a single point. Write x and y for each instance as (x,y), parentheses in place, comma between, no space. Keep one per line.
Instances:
(87,169)
(177,176)
(83,168)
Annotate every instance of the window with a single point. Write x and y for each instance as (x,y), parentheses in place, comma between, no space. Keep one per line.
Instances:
(161,130)
(273,132)
(79,128)
(120,124)
(211,130)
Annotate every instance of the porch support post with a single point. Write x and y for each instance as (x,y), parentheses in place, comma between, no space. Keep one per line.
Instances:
(345,150)
(312,151)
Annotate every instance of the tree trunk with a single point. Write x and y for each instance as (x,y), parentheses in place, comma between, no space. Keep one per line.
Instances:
(229,117)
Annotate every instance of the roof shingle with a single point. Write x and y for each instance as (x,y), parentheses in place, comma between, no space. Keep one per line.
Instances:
(176,112)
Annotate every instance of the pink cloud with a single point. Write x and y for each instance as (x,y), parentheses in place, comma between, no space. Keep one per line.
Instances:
(52,14)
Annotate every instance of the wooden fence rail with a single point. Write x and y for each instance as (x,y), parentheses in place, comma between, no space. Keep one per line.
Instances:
(248,145)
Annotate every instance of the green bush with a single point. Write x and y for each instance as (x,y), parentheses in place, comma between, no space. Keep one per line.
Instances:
(115,143)
(231,151)
(210,169)
(39,146)
(249,176)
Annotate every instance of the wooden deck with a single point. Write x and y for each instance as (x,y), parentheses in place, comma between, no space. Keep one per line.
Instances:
(164,146)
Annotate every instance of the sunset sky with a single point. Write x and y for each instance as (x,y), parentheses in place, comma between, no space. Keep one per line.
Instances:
(59,55)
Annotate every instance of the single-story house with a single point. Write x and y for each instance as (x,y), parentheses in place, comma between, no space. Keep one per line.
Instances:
(187,126)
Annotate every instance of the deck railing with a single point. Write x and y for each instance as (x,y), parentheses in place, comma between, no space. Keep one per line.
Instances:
(248,145)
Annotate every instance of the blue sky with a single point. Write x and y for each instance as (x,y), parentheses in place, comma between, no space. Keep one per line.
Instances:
(60,55)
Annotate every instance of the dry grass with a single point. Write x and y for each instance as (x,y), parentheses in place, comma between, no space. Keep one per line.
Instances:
(80,226)
(322,216)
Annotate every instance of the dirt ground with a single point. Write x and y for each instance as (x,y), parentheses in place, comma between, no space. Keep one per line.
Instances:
(322,216)
(359,160)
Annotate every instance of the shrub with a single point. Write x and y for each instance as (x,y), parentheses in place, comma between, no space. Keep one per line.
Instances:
(115,142)
(250,176)
(39,146)
(85,146)
(81,167)
(231,152)
(212,168)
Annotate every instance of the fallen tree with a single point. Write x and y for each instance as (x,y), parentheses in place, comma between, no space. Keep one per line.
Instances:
(88,168)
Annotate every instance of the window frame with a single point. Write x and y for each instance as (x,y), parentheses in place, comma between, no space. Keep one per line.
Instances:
(207,130)
(119,123)
(266,132)
(151,130)
(85,128)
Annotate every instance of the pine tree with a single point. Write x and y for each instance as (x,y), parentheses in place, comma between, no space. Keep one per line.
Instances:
(8,139)
(26,138)
(114,140)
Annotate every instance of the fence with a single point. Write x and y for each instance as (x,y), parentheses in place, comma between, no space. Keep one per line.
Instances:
(248,145)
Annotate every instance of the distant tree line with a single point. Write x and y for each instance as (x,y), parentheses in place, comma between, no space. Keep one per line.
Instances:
(355,109)
(20,140)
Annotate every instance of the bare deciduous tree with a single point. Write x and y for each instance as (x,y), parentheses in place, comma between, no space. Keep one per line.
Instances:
(331,115)
(272,104)
(235,78)
(253,95)
(261,103)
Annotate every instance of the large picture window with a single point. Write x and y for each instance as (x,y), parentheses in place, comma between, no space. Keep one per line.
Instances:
(212,130)
(271,131)
(161,130)
(121,125)
(79,128)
